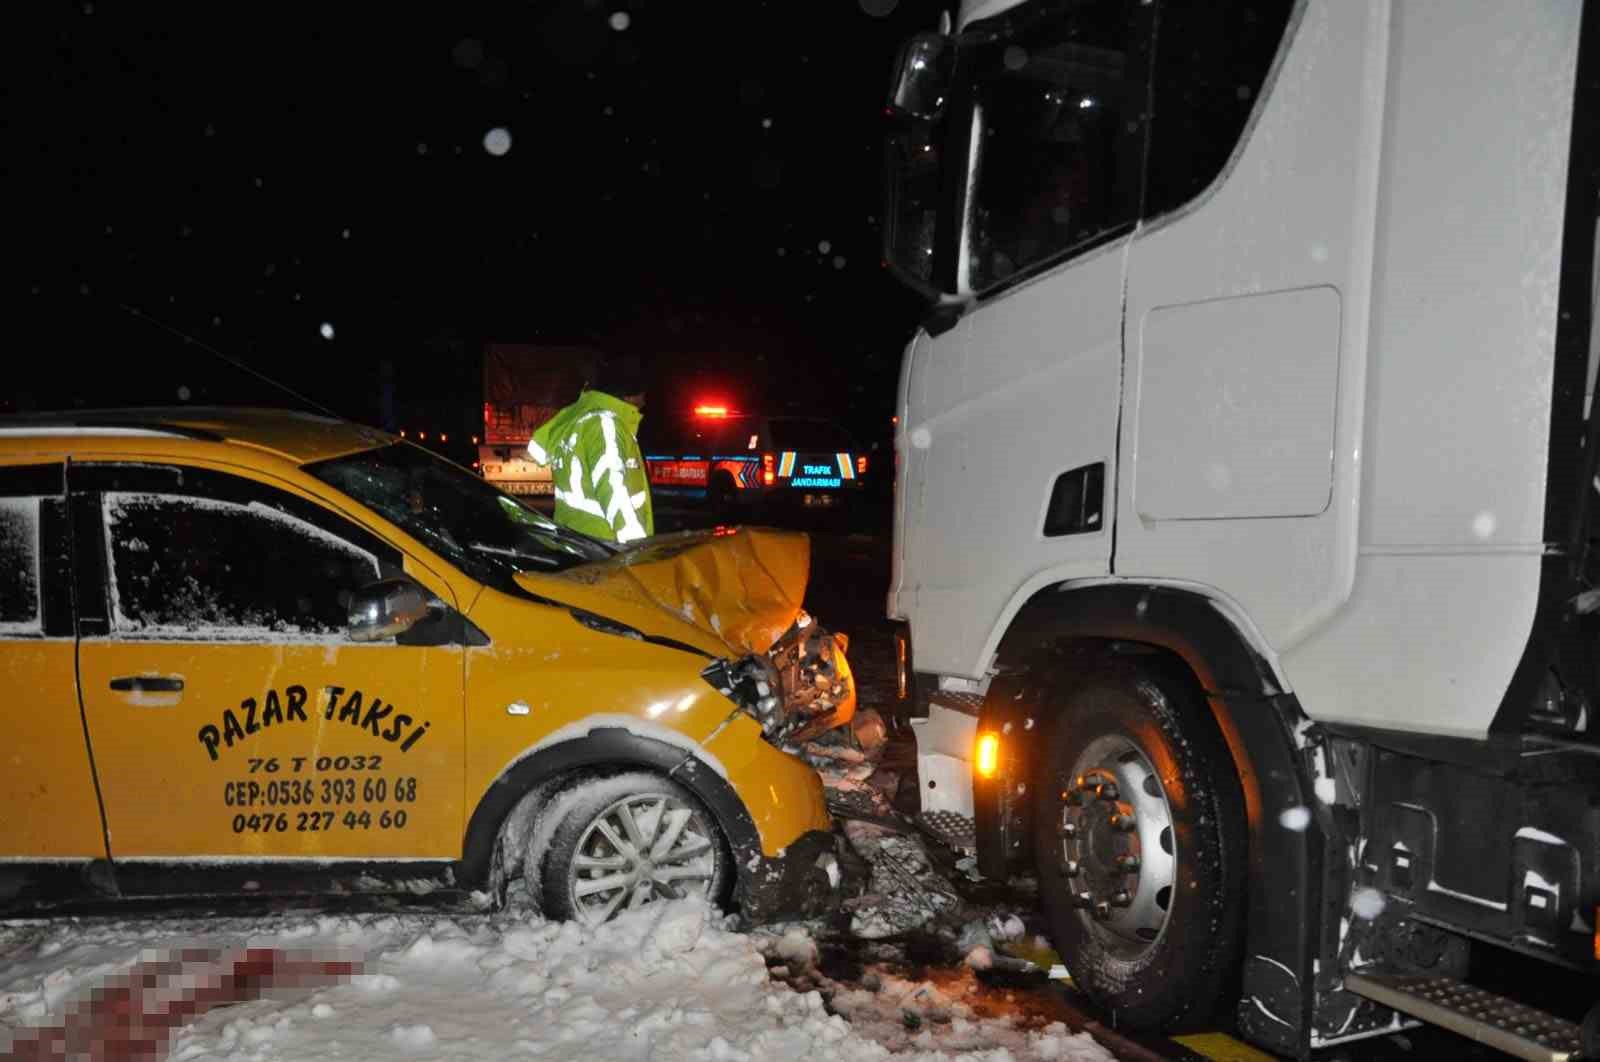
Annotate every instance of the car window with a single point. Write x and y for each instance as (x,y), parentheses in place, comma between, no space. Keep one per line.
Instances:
(195,566)
(711,436)
(800,433)
(19,566)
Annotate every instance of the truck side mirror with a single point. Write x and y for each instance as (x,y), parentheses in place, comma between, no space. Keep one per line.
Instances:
(385,609)
(922,77)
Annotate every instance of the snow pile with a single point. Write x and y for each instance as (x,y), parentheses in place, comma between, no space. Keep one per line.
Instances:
(665,982)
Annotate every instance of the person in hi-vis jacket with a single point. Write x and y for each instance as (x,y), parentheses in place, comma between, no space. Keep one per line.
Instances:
(592,449)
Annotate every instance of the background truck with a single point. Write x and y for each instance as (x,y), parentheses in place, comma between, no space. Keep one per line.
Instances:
(1246,497)
(523,386)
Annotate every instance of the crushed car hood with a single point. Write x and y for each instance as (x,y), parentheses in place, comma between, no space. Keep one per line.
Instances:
(724,591)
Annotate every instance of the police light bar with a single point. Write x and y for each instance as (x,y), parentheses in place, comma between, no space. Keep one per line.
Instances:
(711,411)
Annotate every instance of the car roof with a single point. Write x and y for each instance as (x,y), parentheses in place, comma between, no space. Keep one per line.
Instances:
(295,436)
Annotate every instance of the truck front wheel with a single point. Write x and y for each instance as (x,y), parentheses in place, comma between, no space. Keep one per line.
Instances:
(1141,848)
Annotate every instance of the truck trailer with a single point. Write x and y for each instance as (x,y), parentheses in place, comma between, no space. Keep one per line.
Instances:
(524,384)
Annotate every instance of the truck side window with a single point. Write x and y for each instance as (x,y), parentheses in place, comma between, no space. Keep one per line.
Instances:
(1058,100)
(1211,62)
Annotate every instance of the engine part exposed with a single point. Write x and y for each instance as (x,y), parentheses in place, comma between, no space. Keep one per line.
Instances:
(818,690)
(800,688)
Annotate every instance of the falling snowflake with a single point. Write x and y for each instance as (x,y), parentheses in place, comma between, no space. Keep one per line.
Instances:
(824,247)
(1296,818)
(838,261)
(1367,903)
(497,141)
(766,123)
(326,329)
(183,394)
(620,20)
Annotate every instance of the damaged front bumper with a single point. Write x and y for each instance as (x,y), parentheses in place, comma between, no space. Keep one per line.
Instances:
(797,689)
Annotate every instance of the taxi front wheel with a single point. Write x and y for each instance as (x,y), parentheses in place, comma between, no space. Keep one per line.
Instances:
(626,841)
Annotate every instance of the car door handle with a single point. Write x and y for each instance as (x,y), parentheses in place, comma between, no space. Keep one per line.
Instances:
(147,684)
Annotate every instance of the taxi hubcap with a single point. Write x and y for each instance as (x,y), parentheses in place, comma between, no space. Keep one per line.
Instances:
(1118,851)
(637,850)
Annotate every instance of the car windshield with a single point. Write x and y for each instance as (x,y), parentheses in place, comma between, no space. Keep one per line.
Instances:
(802,433)
(489,535)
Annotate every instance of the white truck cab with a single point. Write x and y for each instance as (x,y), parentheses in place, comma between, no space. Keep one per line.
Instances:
(1246,493)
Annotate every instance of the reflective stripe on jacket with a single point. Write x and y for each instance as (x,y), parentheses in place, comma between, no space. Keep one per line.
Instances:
(601,484)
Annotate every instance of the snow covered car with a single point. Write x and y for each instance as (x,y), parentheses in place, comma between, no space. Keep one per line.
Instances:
(253,651)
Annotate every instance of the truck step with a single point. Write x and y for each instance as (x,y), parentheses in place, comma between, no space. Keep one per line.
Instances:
(1498,1022)
(951,829)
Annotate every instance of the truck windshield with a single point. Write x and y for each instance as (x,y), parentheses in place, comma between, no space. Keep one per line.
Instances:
(488,535)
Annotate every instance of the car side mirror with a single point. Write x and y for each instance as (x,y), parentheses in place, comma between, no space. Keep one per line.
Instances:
(922,77)
(385,609)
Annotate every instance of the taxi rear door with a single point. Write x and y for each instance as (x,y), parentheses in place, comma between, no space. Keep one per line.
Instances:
(233,721)
(50,816)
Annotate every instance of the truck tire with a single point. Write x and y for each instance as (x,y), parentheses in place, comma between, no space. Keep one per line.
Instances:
(1140,846)
(626,841)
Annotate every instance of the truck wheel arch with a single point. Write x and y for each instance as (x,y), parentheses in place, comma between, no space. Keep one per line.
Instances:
(604,748)
(1259,721)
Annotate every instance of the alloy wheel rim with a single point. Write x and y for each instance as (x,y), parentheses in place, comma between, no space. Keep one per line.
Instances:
(637,850)
(1118,850)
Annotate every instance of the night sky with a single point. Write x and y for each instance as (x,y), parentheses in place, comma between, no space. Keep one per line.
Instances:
(697,181)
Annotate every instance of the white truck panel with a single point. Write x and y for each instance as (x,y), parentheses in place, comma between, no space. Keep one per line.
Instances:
(988,433)
(1264,447)
(1295,211)
(1467,281)
(1463,326)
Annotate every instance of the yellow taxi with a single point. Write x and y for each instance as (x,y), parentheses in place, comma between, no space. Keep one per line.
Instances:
(256,651)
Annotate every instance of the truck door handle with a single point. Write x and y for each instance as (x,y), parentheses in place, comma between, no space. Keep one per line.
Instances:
(147,684)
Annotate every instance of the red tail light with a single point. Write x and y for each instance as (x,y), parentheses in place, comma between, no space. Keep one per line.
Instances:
(769,475)
(861,465)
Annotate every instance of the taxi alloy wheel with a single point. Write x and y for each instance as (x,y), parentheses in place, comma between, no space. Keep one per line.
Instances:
(629,841)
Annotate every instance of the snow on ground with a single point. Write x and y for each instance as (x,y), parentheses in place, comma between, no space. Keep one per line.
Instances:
(662,983)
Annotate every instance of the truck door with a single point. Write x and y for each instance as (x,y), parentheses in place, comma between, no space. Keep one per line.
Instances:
(46,784)
(1250,273)
(232,719)
(1011,440)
